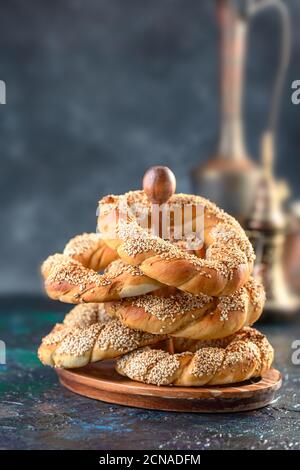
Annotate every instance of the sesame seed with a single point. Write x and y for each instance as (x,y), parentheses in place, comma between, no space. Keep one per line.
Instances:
(118,267)
(247,351)
(83,315)
(81,244)
(87,326)
(207,361)
(169,307)
(66,269)
(149,366)
(80,341)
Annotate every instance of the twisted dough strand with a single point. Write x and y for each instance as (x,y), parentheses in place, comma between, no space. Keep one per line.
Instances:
(91,251)
(237,358)
(229,255)
(69,281)
(185,315)
(88,335)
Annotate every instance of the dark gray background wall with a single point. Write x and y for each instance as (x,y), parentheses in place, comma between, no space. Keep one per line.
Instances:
(99,90)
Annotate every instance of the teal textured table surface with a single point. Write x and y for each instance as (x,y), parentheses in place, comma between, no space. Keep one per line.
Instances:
(37,413)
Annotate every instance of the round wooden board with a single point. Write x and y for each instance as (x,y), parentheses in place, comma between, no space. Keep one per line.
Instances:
(101,382)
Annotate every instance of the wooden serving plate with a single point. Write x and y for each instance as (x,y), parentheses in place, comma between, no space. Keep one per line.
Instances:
(101,382)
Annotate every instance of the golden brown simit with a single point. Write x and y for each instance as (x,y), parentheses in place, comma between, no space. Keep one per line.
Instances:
(88,335)
(191,316)
(91,251)
(67,280)
(234,359)
(229,254)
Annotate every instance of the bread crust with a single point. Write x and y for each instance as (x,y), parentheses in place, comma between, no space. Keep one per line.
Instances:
(88,335)
(67,280)
(229,255)
(197,317)
(237,358)
(91,251)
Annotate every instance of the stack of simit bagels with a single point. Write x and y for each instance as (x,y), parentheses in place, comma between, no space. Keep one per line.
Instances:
(170,313)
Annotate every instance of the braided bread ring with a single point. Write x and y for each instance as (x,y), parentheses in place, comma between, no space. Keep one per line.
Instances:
(197,317)
(67,280)
(235,359)
(229,255)
(91,251)
(88,335)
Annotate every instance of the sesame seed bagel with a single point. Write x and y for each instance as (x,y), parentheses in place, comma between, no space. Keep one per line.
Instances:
(191,316)
(68,280)
(88,335)
(229,254)
(91,251)
(234,359)
(85,255)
